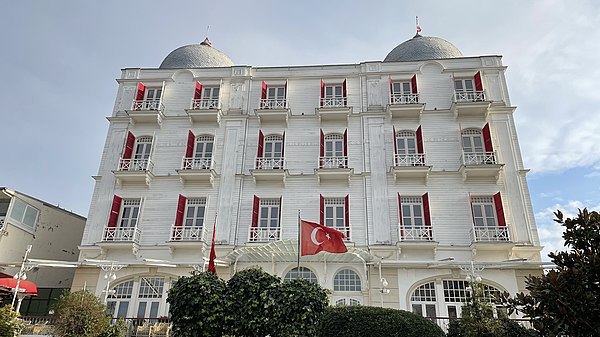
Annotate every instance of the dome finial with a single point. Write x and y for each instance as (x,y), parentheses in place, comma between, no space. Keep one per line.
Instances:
(418,27)
(206,41)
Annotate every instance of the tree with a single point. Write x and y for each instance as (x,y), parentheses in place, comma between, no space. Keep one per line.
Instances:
(80,314)
(566,300)
(10,324)
(197,305)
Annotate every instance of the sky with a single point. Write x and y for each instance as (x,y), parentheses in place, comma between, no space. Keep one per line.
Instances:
(60,59)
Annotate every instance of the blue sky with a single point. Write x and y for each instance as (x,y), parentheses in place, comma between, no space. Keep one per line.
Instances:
(60,60)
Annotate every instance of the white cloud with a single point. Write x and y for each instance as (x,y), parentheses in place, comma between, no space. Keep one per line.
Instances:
(550,232)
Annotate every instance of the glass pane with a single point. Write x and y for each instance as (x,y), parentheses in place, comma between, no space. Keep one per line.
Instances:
(30,215)
(4,207)
(216,92)
(123,307)
(452,311)
(339,213)
(328,91)
(154,309)
(329,212)
(411,145)
(190,212)
(329,222)
(417,211)
(141,309)
(417,309)
(396,87)
(406,87)
(264,212)
(477,211)
(280,92)
(458,85)
(469,85)
(18,210)
(338,91)
(478,144)
(430,310)
(407,221)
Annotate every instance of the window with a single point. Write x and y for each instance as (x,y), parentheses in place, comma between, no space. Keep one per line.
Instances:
(24,214)
(472,141)
(415,221)
(270,151)
(335,214)
(147,98)
(469,89)
(206,97)
(273,97)
(464,85)
(189,219)
(423,300)
(143,147)
(404,92)
(136,153)
(199,151)
(194,212)
(334,149)
(301,272)
(204,146)
(347,301)
(477,146)
(265,219)
(399,88)
(406,142)
(4,206)
(346,280)
(129,213)
(333,95)
(408,147)
(149,295)
(483,211)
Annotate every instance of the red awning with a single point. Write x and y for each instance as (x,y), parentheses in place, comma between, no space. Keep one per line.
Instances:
(25,287)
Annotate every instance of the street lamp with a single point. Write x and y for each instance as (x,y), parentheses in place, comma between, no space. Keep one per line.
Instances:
(110,274)
(472,274)
(21,276)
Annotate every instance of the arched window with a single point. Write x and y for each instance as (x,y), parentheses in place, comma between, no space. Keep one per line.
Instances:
(423,300)
(303,273)
(144,298)
(456,293)
(334,146)
(346,280)
(143,147)
(406,142)
(273,147)
(119,298)
(204,146)
(347,301)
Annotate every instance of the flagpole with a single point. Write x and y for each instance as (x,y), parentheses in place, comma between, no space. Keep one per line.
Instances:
(299,237)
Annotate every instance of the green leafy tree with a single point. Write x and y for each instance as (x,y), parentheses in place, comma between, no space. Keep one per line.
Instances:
(80,314)
(478,316)
(197,305)
(249,308)
(566,300)
(10,324)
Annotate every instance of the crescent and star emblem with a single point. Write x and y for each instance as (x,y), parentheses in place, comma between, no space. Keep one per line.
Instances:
(313,236)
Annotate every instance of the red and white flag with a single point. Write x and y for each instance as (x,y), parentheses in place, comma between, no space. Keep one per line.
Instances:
(418,26)
(213,255)
(317,238)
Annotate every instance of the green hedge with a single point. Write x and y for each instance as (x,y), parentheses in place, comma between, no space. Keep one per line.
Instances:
(363,321)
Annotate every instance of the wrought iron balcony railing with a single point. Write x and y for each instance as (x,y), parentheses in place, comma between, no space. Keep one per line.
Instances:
(121,234)
(404,98)
(479,158)
(333,162)
(469,96)
(412,159)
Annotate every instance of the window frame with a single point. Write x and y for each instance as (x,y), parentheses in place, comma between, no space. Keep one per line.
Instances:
(298,272)
(194,204)
(484,206)
(472,134)
(347,280)
(130,203)
(20,222)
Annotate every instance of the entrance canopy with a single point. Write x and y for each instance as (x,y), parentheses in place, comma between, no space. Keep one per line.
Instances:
(25,287)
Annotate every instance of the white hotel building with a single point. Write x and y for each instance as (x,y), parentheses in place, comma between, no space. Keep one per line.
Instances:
(415,158)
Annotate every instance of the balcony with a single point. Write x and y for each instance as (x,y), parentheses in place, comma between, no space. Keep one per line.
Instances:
(479,165)
(188,233)
(197,170)
(146,111)
(273,110)
(2,224)
(264,234)
(415,233)
(470,104)
(490,234)
(134,171)
(205,110)
(269,169)
(410,166)
(333,109)
(405,106)
(333,168)
(121,234)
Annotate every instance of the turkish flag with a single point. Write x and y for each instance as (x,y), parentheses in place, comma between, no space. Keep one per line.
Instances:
(213,255)
(316,238)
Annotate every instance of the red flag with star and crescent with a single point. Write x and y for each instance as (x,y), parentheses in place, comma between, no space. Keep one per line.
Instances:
(318,238)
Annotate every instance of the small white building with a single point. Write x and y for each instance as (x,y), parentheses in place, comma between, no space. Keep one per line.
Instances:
(416,158)
(52,232)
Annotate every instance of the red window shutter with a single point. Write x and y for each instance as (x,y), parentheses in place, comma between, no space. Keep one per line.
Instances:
(472,212)
(347,215)
(263,94)
(279,214)
(391,85)
(487,138)
(191,141)
(115,209)
(141,88)
(345,93)
(346,142)
(261,141)
(322,209)
(499,209)
(285,90)
(283,145)
(180,210)
(198,91)
(420,140)
(255,210)
(395,144)
(399,208)
(477,80)
(426,216)
(322,93)
(413,84)
(129,143)
(322,148)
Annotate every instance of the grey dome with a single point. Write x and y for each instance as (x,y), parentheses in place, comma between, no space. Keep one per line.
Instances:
(421,48)
(196,56)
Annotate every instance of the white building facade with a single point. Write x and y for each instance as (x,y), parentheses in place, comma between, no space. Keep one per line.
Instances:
(415,158)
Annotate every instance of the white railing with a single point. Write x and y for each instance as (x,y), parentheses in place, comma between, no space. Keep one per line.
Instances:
(272,163)
(490,234)
(416,233)
(333,102)
(2,222)
(479,158)
(121,234)
(188,233)
(264,234)
(191,163)
(345,230)
(206,103)
(469,96)
(413,159)
(404,98)
(147,104)
(333,162)
(273,103)
(141,165)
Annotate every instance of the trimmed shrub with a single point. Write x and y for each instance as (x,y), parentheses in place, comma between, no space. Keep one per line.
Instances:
(362,321)
(80,314)
(10,324)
